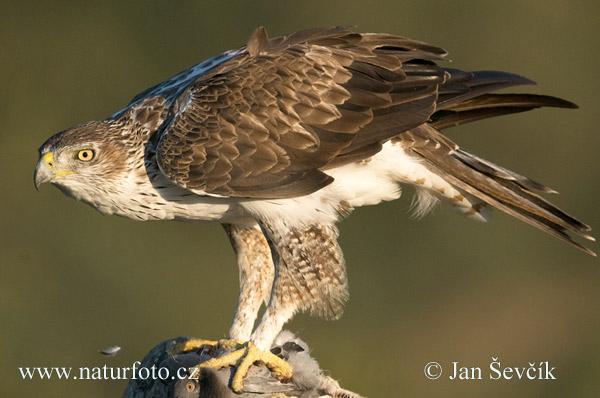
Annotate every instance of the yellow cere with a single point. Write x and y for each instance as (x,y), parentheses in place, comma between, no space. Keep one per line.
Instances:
(49,160)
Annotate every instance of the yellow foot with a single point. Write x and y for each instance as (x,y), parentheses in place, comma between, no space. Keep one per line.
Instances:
(245,354)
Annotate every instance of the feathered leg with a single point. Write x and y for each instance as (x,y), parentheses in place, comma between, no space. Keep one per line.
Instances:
(256,269)
(310,274)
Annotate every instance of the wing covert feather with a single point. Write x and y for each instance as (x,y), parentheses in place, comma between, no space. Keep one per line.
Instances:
(266,122)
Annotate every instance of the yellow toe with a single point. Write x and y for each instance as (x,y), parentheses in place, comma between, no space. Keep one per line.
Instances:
(244,356)
(191,345)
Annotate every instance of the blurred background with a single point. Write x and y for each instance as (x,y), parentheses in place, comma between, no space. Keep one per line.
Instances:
(443,288)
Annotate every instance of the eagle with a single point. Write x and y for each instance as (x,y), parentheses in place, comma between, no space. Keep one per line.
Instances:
(280,138)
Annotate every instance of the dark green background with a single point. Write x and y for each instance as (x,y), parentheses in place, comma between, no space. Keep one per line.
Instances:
(440,289)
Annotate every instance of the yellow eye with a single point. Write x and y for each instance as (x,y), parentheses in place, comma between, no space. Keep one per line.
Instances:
(190,386)
(85,155)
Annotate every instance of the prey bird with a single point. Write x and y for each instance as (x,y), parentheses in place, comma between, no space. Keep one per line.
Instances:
(278,139)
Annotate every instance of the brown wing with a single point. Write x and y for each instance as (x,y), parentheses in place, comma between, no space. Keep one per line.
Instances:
(263,124)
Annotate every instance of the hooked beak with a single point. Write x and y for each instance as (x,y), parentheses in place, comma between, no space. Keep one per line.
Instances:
(44,171)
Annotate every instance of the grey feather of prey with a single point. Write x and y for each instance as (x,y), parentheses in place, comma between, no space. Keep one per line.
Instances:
(110,351)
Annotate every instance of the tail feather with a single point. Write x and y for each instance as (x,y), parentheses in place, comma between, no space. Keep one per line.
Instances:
(490,168)
(497,186)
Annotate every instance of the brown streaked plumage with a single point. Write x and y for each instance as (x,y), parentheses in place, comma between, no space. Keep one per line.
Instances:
(278,138)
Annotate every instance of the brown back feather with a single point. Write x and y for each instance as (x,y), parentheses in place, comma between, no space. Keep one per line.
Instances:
(263,123)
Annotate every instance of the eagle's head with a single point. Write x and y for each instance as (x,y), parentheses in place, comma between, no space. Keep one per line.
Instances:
(94,161)
(85,160)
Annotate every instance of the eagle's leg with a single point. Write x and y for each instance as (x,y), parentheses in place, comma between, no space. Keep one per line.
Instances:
(256,276)
(310,275)
(256,281)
